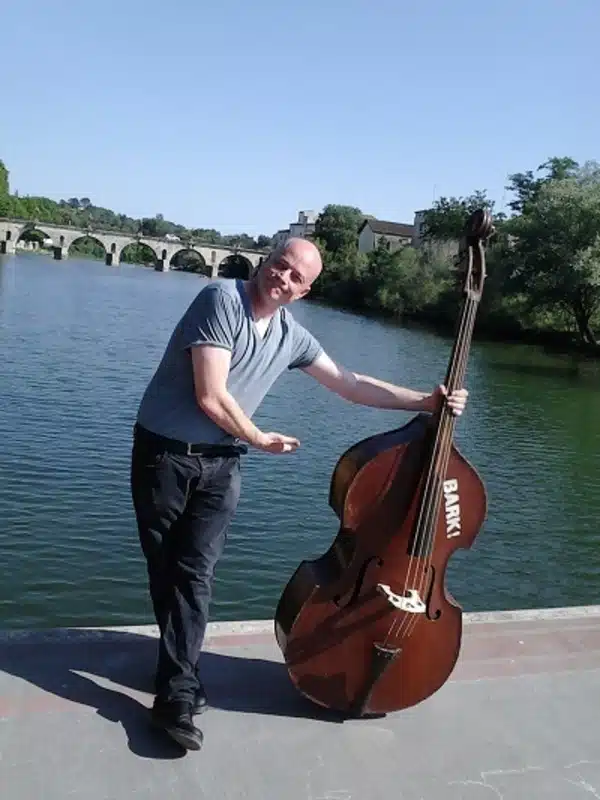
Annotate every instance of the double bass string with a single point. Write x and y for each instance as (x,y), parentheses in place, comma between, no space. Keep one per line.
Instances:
(429,508)
(443,444)
(423,541)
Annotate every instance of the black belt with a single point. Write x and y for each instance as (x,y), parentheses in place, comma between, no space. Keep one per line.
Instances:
(187,448)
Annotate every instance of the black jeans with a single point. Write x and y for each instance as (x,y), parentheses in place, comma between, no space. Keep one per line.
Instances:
(183,506)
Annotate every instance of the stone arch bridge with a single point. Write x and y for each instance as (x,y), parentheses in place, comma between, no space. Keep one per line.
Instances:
(214,258)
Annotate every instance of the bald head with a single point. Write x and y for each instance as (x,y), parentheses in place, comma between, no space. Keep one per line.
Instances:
(301,255)
(287,273)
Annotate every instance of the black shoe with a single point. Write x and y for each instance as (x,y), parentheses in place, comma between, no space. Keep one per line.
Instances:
(200,703)
(175,718)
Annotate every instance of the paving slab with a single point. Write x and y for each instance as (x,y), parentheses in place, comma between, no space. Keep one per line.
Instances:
(519,719)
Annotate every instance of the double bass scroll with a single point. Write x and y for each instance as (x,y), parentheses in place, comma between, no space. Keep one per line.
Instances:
(370,627)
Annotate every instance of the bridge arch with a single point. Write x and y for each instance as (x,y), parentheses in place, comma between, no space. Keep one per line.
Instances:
(22,233)
(188,259)
(29,227)
(138,253)
(90,238)
(236,266)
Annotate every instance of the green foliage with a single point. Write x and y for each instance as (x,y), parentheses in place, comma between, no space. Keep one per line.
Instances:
(4,188)
(394,283)
(403,282)
(543,263)
(138,254)
(337,227)
(5,205)
(341,281)
(555,259)
(336,235)
(446,219)
(526,187)
(87,247)
(264,242)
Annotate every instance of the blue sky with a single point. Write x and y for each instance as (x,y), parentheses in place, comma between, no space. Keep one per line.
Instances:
(235,115)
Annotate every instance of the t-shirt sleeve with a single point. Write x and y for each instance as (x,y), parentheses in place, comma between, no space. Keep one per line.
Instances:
(211,319)
(305,347)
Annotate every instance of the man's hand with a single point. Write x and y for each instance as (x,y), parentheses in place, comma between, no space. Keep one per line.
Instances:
(276,443)
(456,401)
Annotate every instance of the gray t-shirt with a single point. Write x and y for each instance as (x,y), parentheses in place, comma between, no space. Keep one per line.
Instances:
(221,315)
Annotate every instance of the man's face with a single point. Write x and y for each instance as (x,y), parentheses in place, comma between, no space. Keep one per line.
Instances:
(286,279)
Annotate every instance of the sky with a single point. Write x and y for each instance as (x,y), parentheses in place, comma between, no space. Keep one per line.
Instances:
(236,114)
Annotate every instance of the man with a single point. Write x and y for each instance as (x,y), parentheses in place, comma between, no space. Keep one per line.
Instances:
(193,423)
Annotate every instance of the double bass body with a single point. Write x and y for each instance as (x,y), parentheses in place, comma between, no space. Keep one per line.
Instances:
(332,612)
(369,627)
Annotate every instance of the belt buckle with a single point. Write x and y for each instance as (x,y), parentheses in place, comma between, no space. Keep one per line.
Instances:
(188,450)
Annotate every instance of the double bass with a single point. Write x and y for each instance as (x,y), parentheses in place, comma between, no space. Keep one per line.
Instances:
(369,627)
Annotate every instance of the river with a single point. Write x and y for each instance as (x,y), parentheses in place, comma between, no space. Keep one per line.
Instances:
(78,343)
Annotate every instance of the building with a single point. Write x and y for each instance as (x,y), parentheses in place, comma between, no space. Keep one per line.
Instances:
(395,235)
(419,227)
(436,249)
(304,228)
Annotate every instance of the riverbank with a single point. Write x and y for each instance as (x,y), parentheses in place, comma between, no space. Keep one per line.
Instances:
(515,719)
(553,342)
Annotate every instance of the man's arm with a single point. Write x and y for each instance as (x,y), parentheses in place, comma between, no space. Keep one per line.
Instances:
(367,391)
(211,368)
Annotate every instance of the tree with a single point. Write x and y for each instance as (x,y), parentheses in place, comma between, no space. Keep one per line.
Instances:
(239,240)
(155,226)
(526,187)
(5,199)
(337,227)
(264,242)
(209,235)
(555,257)
(4,187)
(446,220)
(403,282)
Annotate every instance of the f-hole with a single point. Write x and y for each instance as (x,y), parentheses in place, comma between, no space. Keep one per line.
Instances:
(358,585)
(430,613)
